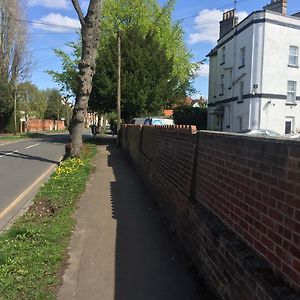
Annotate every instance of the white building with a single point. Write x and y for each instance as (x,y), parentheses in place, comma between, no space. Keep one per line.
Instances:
(254,79)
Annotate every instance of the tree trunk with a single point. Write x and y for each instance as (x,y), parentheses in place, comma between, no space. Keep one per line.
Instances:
(90,31)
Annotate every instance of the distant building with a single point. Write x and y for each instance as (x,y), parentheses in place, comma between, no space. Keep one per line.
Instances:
(254,78)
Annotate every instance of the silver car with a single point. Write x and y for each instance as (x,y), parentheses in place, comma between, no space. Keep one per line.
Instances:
(261,132)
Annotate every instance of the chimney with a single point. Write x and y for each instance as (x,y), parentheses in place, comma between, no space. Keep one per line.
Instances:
(279,6)
(229,22)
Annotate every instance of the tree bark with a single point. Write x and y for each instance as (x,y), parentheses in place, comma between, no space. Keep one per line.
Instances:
(90,31)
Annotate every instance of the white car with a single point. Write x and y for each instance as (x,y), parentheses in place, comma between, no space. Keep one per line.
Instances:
(261,132)
(152,121)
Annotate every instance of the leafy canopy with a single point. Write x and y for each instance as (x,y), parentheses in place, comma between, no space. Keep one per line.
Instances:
(150,22)
(68,78)
(146,76)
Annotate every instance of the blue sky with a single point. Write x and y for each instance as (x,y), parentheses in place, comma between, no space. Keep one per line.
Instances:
(201,25)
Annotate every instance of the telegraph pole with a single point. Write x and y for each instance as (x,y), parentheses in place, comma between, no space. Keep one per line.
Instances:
(15,109)
(119,84)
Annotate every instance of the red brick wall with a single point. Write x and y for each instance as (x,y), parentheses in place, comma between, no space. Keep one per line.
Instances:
(234,202)
(253,185)
(60,125)
(34,125)
(48,125)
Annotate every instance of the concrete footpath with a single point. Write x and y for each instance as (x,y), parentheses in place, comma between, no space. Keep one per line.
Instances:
(122,247)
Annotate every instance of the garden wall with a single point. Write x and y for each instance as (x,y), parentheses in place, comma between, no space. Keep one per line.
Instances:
(234,202)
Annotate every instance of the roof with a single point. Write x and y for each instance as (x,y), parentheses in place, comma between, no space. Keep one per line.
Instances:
(212,52)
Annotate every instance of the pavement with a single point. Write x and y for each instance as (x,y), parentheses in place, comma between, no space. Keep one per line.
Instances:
(122,247)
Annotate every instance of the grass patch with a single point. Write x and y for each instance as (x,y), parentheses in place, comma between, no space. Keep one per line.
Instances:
(33,251)
(12,137)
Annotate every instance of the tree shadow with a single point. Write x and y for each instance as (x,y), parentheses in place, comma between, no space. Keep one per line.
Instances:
(149,264)
(20,155)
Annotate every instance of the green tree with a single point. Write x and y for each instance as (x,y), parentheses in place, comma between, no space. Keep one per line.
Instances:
(6,104)
(56,108)
(188,115)
(31,101)
(149,16)
(67,79)
(147,79)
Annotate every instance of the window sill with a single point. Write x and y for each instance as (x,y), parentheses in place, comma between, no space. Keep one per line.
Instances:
(293,66)
(240,67)
(291,104)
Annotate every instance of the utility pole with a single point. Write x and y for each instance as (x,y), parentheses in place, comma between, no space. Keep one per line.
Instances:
(15,109)
(119,84)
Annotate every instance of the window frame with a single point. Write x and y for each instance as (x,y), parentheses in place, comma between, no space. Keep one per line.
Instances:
(296,56)
(242,57)
(291,92)
(222,85)
(223,55)
(241,90)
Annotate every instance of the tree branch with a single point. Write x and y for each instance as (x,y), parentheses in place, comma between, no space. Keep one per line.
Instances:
(79,12)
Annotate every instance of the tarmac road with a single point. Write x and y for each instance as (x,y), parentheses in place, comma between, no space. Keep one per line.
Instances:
(24,166)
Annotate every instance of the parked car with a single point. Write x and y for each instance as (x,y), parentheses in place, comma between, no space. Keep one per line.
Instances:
(152,121)
(137,121)
(261,132)
(293,136)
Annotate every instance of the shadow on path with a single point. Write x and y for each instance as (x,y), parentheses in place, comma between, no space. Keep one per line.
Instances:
(148,263)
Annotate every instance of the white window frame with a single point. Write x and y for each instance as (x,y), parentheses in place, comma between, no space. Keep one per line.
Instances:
(293,57)
(243,57)
(292,120)
(292,92)
(230,79)
(239,123)
(223,55)
(242,88)
(222,84)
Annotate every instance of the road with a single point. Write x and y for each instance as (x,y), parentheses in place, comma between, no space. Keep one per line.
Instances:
(24,166)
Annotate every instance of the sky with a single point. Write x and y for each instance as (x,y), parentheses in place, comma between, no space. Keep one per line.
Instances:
(199,19)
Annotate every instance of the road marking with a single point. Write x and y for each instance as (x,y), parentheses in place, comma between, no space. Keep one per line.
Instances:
(8,143)
(7,154)
(32,146)
(31,187)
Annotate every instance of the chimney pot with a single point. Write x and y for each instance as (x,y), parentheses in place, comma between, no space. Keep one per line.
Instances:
(229,22)
(279,6)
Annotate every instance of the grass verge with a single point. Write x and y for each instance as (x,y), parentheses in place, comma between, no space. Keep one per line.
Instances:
(12,137)
(33,251)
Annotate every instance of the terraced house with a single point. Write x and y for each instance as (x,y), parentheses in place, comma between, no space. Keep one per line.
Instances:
(254,80)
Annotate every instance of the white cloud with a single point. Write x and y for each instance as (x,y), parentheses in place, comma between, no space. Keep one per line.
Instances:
(203,71)
(207,25)
(50,3)
(66,23)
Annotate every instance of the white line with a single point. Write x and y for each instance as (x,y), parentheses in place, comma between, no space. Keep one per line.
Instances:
(8,143)
(7,154)
(31,187)
(32,146)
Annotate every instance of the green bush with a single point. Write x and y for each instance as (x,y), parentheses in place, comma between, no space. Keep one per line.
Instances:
(188,115)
